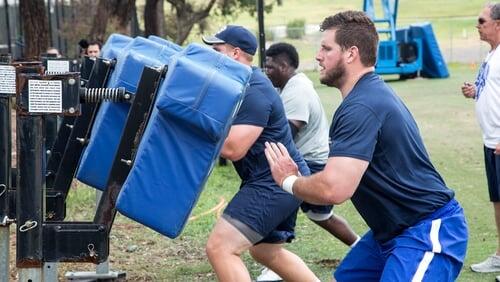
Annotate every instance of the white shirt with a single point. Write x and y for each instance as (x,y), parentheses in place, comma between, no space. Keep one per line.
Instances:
(302,103)
(488,98)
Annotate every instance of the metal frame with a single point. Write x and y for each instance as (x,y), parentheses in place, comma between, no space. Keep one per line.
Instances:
(43,239)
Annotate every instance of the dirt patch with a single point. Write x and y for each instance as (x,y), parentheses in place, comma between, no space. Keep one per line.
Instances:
(328,263)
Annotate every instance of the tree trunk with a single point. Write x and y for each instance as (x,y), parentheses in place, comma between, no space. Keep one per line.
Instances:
(135,29)
(121,10)
(186,17)
(100,22)
(123,14)
(154,18)
(35,27)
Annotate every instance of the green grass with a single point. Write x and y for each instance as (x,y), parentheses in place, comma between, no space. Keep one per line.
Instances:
(448,126)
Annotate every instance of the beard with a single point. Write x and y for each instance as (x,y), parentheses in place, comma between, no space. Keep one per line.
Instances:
(334,76)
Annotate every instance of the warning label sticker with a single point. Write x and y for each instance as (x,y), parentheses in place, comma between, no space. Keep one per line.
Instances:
(7,80)
(45,96)
(57,66)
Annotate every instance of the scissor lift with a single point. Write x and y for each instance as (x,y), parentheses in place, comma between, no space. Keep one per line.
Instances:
(398,53)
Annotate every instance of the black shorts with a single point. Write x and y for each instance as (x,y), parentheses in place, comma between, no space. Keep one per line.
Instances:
(263,213)
(316,212)
(492,165)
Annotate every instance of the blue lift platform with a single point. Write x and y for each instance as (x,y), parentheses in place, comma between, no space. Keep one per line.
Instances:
(409,51)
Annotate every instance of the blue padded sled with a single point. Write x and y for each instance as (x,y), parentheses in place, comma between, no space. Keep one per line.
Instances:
(193,113)
(163,41)
(433,65)
(114,45)
(96,161)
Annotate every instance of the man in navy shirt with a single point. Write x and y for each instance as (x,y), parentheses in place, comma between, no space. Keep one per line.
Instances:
(378,160)
(261,216)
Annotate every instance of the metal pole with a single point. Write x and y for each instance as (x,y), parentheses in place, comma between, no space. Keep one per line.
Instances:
(21,32)
(5,162)
(262,34)
(49,17)
(102,268)
(5,180)
(64,48)
(7,22)
(30,197)
(56,7)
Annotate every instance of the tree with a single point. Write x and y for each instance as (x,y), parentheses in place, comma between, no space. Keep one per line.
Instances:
(186,14)
(118,10)
(35,27)
(154,18)
(232,7)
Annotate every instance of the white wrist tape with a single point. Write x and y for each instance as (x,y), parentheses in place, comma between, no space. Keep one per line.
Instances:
(288,183)
(355,242)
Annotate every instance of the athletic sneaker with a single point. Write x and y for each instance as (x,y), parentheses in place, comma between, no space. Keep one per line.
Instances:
(491,264)
(268,275)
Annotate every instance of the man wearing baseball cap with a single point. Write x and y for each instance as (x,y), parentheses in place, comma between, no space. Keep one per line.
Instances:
(261,216)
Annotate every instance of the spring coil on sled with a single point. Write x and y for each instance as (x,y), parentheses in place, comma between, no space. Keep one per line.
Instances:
(95,95)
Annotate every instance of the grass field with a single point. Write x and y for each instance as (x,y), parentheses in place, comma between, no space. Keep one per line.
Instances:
(448,126)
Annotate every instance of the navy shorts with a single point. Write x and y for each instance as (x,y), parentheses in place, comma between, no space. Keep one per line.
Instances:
(492,165)
(432,250)
(263,213)
(316,212)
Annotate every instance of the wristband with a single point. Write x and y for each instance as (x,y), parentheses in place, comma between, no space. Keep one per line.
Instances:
(288,183)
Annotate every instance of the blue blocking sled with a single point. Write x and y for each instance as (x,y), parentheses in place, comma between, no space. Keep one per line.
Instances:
(433,65)
(194,110)
(114,45)
(97,159)
(165,42)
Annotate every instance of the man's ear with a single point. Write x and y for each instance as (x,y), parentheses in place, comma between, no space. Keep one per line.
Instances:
(352,54)
(236,53)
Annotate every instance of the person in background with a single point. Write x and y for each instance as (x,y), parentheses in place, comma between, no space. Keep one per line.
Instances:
(83,44)
(378,160)
(94,49)
(53,52)
(486,92)
(309,127)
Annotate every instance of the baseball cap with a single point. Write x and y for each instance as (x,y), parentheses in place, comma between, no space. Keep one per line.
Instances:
(235,35)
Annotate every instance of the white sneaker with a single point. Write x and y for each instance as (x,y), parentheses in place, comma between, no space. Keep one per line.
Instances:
(268,275)
(491,264)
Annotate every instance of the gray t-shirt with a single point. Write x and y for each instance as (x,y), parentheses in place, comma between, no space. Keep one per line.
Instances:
(302,103)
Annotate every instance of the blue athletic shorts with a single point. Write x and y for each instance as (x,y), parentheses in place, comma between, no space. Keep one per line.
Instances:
(431,250)
(263,213)
(316,212)
(492,165)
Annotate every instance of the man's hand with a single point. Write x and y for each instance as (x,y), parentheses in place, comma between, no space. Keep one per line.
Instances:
(469,90)
(280,162)
(497,149)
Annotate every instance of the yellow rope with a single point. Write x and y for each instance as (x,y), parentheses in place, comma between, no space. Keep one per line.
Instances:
(218,209)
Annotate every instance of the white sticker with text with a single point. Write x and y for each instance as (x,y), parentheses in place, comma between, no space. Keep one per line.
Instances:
(45,96)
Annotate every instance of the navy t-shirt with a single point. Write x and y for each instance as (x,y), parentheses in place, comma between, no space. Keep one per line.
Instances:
(262,107)
(400,186)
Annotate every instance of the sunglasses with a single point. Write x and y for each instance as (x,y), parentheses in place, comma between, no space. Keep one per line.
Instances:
(481,21)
